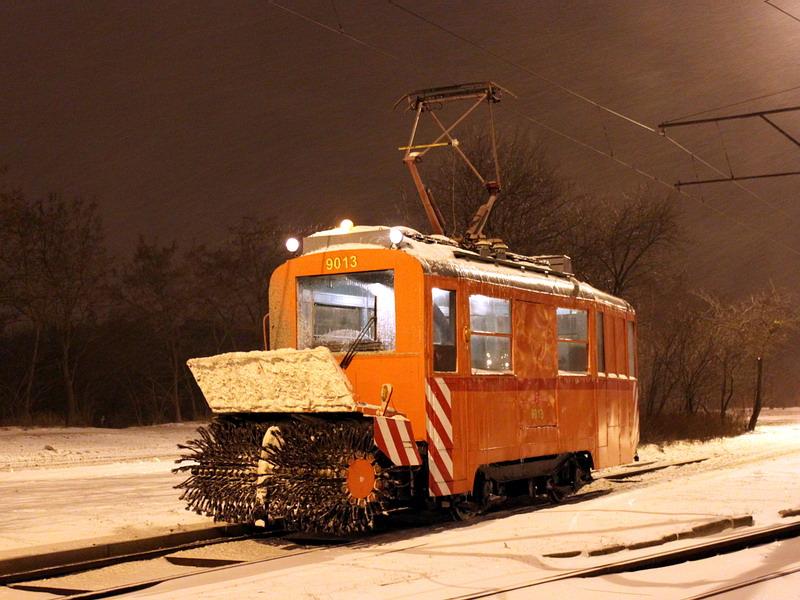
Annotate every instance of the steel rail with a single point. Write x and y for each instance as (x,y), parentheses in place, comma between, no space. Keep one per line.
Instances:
(509,507)
(731,543)
(726,544)
(142,585)
(651,469)
(744,584)
(79,566)
(28,579)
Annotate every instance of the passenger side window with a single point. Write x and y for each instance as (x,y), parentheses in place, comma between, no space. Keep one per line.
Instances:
(573,340)
(444,330)
(600,342)
(490,341)
(631,350)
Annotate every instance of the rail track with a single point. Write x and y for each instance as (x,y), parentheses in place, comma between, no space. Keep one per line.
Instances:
(62,563)
(744,584)
(37,579)
(726,544)
(33,580)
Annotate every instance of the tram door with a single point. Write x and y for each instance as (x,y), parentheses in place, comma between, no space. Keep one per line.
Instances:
(536,369)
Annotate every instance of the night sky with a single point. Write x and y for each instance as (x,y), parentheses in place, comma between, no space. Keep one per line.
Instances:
(180,118)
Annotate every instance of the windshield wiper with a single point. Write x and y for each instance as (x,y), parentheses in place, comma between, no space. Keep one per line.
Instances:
(353,348)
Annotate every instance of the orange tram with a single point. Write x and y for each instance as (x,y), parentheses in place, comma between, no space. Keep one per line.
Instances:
(414,369)
(486,374)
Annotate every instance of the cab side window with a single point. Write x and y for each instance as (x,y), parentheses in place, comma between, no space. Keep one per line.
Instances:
(490,340)
(444,330)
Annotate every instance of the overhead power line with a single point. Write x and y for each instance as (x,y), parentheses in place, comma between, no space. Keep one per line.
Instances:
(737,103)
(778,8)
(584,98)
(521,67)
(759,114)
(339,31)
(747,115)
(767,235)
(564,135)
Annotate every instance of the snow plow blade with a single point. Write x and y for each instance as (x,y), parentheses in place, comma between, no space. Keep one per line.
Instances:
(275,381)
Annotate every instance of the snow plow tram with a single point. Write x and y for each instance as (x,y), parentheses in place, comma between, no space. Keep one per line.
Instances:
(463,377)
(415,370)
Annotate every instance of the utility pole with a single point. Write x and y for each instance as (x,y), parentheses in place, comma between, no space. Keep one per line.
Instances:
(757,403)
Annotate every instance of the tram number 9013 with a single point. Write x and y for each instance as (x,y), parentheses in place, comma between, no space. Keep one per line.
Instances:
(337,263)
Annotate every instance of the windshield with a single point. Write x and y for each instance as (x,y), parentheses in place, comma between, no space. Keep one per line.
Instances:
(333,309)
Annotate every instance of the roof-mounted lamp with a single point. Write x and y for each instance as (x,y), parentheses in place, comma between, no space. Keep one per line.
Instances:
(292,245)
(395,236)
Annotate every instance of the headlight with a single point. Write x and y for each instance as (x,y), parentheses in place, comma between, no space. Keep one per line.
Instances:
(395,235)
(292,245)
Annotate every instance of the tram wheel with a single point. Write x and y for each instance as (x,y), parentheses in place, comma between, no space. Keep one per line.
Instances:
(471,506)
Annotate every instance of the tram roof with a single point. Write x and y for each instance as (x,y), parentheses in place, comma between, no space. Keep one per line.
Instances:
(439,255)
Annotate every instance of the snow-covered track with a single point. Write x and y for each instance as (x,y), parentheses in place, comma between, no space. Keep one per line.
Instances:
(744,584)
(724,545)
(119,590)
(42,566)
(38,580)
(633,472)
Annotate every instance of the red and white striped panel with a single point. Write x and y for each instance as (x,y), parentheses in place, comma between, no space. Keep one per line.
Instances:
(439,409)
(395,438)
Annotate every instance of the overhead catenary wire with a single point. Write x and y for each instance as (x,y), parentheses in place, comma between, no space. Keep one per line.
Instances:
(584,98)
(694,156)
(657,180)
(341,32)
(778,8)
(725,149)
(521,67)
(720,172)
(733,104)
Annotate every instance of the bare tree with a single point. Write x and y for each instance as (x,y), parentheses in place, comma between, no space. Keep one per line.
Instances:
(745,332)
(58,278)
(154,284)
(623,243)
(21,289)
(232,280)
(770,317)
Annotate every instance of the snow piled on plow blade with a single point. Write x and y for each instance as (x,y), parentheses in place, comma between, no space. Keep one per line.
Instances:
(285,380)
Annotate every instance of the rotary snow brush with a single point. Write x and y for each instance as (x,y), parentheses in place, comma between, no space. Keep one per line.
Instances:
(266,457)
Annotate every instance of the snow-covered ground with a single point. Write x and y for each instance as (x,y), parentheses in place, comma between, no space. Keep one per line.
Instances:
(755,474)
(37,447)
(67,487)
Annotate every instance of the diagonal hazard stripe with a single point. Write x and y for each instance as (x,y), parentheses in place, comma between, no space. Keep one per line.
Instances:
(436,483)
(444,462)
(387,442)
(408,444)
(395,437)
(438,411)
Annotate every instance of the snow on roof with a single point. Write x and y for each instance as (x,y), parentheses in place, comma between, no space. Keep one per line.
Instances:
(442,256)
